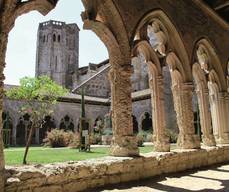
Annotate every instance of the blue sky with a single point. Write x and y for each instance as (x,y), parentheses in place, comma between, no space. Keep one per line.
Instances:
(21,50)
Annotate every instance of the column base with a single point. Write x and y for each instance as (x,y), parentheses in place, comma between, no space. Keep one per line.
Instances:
(188,141)
(209,140)
(224,139)
(162,145)
(124,146)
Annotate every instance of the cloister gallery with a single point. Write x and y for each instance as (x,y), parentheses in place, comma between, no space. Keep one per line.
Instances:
(192,40)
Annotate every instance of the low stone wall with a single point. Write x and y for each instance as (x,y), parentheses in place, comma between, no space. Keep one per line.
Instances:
(82,175)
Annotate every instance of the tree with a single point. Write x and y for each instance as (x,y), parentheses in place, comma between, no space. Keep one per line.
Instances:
(40,95)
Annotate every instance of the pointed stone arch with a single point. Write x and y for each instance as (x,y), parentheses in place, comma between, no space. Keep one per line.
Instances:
(116,41)
(168,35)
(156,84)
(182,97)
(208,67)
(206,55)
(203,104)
(67,123)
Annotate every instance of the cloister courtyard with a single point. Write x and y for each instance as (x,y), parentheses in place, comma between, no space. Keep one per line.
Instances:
(152,116)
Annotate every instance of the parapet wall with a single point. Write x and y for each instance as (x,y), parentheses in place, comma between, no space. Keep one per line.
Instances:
(82,175)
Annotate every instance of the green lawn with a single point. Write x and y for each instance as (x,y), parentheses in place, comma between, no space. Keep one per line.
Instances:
(41,155)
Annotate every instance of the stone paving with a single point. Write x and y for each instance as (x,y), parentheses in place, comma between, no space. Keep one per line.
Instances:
(205,180)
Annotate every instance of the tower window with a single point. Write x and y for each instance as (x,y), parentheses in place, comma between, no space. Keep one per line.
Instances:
(43,38)
(54,38)
(58,38)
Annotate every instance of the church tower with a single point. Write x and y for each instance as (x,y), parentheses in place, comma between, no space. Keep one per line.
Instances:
(58,52)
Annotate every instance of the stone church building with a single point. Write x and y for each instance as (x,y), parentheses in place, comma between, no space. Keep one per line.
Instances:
(184,44)
(58,58)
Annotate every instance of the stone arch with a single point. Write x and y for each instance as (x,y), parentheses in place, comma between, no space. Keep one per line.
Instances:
(10,10)
(145,121)
(7,125)
(170,45)
(206,55)
(182,97)
(203,104)
(143,47)
(54,37)
(23,126)
(21,132)
(67,123)
(58,38)
(219,103)
(109,27)
(97,125)
(156,85)
(47,125)
(168,36)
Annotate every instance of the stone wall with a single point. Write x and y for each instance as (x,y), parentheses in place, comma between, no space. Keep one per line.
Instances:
(99,85)
(61,109)
(82,175)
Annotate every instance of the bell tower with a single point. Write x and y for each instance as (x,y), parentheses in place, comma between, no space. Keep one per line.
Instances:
(58,52)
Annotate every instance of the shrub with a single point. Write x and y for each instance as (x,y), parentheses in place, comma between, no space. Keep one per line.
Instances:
(172,135)
(107,132)
(95,138)
(147,136)
(60,138)
(140,139)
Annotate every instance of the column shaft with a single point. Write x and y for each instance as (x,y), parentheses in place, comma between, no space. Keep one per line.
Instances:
(205,117)
(161,141)
(219,111)
(182,96)
(124,142)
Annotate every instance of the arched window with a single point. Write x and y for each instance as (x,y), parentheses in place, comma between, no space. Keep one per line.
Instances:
(147,122)
(7,128)
(135,124)
(58,38)
(54,37)
(67,123)
(43,38)
(98,125)
(47,125)
(23,128)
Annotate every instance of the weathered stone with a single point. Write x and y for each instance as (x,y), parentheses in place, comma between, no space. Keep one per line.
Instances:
(53,188)
(75,186)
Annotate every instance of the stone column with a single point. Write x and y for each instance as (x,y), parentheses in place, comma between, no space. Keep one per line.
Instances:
(182,96)
(14,134)
(161,140)
(205,116)
(124,142)
(3,43)
(219,103)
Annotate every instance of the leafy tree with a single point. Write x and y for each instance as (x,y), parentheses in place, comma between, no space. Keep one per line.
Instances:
(39,94)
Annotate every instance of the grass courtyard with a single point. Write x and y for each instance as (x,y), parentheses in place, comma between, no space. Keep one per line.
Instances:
(42,155)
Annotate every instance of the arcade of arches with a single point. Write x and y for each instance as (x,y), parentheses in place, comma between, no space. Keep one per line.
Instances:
(197,59)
